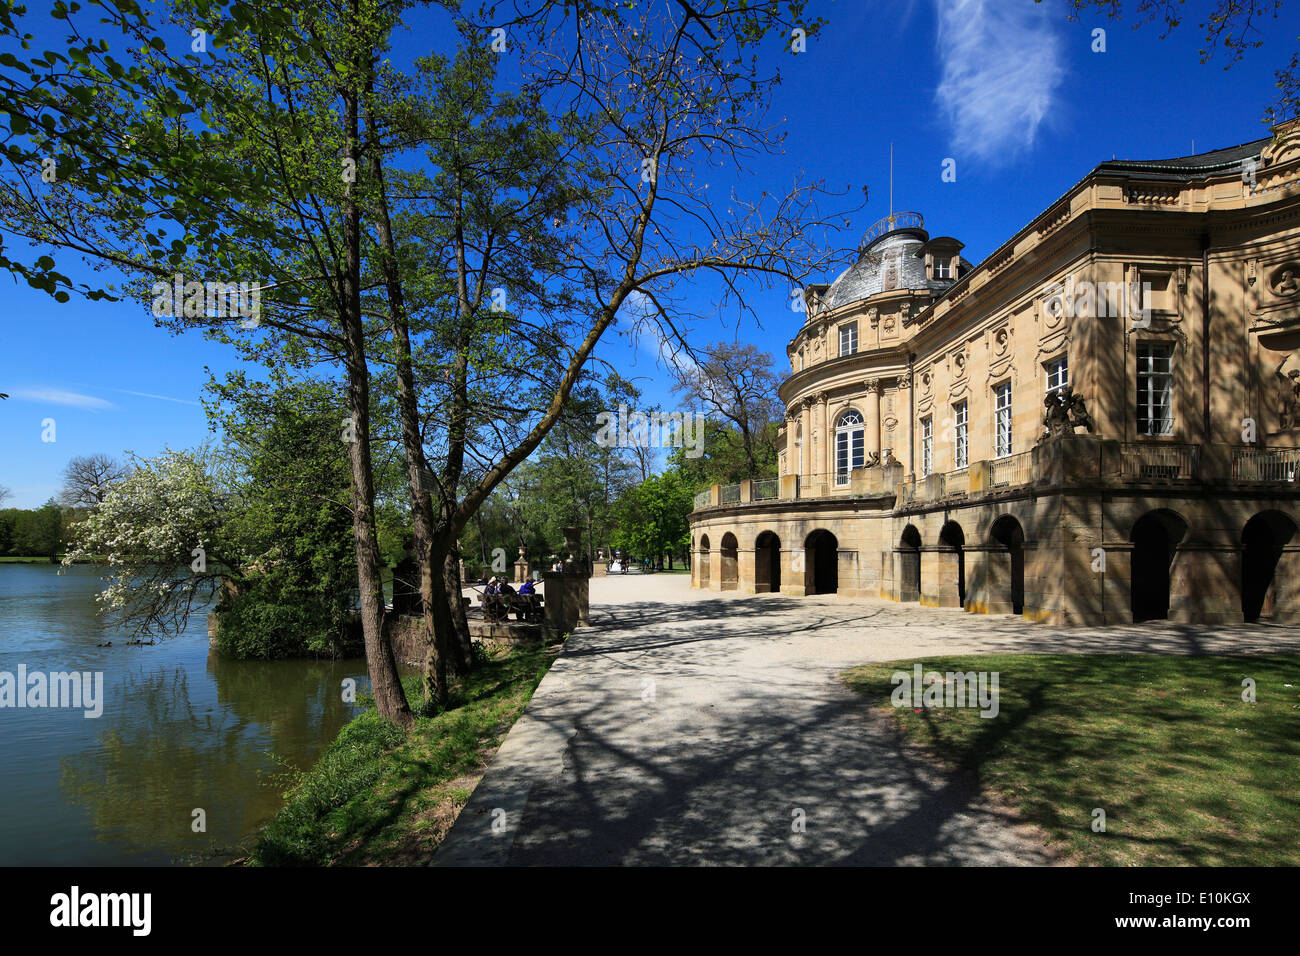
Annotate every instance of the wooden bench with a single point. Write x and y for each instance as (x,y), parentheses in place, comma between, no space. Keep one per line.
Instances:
(526,607)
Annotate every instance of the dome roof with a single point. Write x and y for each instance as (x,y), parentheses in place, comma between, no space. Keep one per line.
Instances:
(887,260)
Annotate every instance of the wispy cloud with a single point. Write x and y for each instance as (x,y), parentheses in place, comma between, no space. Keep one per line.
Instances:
(638,315)
(1002,73)
(58,396)
(161,398)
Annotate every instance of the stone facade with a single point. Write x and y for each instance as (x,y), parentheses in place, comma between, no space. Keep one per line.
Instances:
(1098,423)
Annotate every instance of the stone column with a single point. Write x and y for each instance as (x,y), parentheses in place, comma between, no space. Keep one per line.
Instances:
(824,465)
(903,433)
(872,436)
(805,425)
(791,464)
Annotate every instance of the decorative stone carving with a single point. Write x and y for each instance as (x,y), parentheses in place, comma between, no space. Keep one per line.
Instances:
(1285,279)
(873,385)
(904,381)
(1285,145)
(1288,395)
(1063,412)
(1001,339)
(889,325)
(959,365)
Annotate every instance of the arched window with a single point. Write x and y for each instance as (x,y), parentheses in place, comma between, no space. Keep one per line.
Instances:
(798,450)
(849,439)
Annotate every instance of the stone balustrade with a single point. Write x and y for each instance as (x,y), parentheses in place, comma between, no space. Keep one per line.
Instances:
(1068,460)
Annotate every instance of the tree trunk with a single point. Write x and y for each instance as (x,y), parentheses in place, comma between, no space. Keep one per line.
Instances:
(386,686)
(452,619)
(435,655)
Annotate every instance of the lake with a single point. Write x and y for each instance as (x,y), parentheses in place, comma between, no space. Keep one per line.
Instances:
(181,729)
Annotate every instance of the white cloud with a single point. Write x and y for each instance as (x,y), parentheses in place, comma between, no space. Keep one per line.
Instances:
(161,398)
(1002,63)
(58,396)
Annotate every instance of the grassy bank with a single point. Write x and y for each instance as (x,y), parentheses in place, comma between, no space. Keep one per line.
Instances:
(1186,771)
(374,797)
(12,559)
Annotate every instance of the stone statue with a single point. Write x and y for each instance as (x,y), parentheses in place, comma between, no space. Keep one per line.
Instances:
(1056,417)
(1063,412)
(1288,396)
(872,459)
(1078,409)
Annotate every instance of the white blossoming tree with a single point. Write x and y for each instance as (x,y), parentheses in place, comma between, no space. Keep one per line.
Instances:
(161,533)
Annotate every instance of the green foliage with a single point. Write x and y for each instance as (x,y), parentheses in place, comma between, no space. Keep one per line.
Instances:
(269,622)
(653,517)
(295,596)
(36,532)
(349,766)
(724,460)
(571,481)
(372,795)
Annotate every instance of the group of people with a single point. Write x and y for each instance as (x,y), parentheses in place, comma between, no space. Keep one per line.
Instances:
(497,593)
(498,586)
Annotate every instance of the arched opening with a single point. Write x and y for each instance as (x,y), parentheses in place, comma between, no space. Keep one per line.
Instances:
(909,554)
(822,555)
(953,538)
(1007,532)
(730,565)
(1155,537)
(704,561)
(849,437)
(1262,541)
(798,450)
(767,563)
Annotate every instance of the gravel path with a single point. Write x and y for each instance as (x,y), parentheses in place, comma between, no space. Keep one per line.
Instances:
(688,727)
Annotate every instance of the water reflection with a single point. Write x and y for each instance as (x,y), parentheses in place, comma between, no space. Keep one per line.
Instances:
(182,729)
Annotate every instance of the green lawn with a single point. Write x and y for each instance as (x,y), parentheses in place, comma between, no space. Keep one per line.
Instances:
(28,560)
(1187,773)
(375,798)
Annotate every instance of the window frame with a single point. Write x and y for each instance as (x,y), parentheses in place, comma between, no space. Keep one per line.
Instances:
(961,435)
(851,328)
(927,446)
(850,444)
(1151,375)
(998,413)
(1063,363)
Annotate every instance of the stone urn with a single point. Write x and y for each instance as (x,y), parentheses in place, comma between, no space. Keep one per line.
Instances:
(572,547)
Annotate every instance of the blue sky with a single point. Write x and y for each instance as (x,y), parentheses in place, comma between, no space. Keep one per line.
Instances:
(1010,90)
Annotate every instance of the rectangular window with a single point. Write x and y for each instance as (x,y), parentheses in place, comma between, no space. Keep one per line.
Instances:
(1002,420)
(1155,381)
(927,446)
(1058,375)
(848,338)
(942,267)
(959,456)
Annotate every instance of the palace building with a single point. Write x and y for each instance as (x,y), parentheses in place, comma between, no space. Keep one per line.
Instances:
(1099,423)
